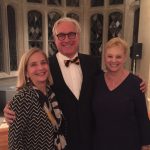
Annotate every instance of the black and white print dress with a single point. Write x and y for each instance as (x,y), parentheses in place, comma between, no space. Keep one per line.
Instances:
(32,130)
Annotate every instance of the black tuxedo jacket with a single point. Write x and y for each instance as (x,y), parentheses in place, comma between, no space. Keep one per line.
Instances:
(78,113)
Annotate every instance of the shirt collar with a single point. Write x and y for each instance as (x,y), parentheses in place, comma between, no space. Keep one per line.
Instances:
(63,57)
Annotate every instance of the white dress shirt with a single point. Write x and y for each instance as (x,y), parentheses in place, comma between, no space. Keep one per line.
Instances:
(72,74)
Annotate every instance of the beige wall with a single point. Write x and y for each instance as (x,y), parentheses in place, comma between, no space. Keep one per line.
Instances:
(144,37)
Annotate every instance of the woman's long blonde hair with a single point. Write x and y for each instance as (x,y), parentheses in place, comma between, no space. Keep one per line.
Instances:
(22,69)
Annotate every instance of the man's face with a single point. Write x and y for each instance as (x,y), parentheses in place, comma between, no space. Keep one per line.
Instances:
(67,39)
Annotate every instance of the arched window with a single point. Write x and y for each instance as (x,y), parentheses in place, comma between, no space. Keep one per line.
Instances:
(96,34)
(12,37)
(72,3)
(52,18)
(35,29)
(74,16)
(97,3)
(54,2)
(115,25)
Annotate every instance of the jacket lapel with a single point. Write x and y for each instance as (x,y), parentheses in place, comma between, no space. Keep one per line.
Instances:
(84,73)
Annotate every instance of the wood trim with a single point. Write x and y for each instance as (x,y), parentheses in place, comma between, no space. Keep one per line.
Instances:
(3,138)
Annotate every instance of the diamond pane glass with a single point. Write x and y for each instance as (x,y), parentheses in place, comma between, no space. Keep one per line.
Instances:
(73,15)
(97,3)
(52,18)
(12,38)
(111,2)
(96,34)
(35,29)
(115,25)
(72,3)
(54,2)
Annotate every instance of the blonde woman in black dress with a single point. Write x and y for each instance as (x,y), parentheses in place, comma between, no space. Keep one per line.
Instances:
(38,116)
(119,106)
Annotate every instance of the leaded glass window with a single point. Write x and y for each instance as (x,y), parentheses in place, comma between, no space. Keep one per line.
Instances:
(73,15)
(97,3)
(111,2)
(35,29)
(115,25)
(52,18)
(12,38)
(96,34)
(54,2)
(72,3)
(35,1)
(1,48)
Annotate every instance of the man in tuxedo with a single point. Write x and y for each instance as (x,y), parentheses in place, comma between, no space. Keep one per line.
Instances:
(73,74)
(73,77)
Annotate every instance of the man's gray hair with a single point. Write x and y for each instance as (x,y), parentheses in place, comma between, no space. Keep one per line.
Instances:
(66,19)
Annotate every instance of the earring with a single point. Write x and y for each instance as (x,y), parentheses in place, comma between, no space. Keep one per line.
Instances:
(28,80)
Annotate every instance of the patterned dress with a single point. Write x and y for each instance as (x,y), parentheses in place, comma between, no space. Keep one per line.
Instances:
(32,130)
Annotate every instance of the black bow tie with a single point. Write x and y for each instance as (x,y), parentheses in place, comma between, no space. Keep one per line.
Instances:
(75,61)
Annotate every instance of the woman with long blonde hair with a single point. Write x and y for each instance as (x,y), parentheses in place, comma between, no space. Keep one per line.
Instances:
(38,117)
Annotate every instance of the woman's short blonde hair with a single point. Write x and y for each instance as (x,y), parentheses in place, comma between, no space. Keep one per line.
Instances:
(66,19)
(117,41)
(22,70)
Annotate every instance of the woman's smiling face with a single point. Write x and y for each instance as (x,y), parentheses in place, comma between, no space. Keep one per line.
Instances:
(37,68)
(115,58)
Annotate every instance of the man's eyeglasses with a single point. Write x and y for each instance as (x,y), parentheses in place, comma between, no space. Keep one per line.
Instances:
(62,36)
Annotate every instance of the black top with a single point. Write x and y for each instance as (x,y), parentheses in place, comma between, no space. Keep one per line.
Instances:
(121,115)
